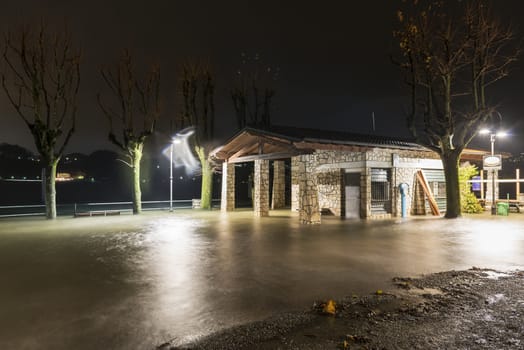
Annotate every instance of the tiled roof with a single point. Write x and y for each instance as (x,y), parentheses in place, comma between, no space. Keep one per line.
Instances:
(337,137)
(285,141)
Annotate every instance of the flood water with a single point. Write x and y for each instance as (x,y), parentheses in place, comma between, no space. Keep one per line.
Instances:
(135,282)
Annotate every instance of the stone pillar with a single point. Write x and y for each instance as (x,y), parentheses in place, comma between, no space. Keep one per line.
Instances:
(294,183)
(309,210)
(227,202)
(365,194)
(261,179)
(278,200)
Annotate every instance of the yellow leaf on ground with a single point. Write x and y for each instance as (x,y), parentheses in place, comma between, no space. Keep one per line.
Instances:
(330,307)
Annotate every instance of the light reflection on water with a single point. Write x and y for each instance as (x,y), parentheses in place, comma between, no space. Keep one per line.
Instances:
(134,282)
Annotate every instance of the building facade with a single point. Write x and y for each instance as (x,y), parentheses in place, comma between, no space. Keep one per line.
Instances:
(346,175)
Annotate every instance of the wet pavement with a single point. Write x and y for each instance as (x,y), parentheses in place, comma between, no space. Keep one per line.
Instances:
(135,282)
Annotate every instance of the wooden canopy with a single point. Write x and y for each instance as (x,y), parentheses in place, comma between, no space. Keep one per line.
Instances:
(251,144)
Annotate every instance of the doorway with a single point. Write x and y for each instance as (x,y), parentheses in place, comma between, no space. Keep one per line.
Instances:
(352,195)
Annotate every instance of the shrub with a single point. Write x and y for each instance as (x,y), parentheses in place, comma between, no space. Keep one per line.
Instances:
(468,201)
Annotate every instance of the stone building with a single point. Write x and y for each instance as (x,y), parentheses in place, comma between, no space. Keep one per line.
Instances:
(342,174)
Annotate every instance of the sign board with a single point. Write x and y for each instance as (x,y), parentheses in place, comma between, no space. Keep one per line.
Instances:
(492,162)
(475,184)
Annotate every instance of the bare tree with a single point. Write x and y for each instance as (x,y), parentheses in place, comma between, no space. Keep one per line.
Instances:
(133,114)
(198,111)
(253,92)
(451,54)
(41,79)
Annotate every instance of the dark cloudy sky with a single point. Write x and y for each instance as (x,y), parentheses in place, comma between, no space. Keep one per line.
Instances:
(333,58)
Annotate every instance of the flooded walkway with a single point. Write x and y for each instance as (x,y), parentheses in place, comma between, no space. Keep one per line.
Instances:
(134,282)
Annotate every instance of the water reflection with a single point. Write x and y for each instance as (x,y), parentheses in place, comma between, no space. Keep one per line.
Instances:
(135,282)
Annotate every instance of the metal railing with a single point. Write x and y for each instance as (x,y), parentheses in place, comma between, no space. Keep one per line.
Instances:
(79,208)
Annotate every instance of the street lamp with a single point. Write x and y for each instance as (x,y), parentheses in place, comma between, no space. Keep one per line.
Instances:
(492,136)
(174,140)
(184,156)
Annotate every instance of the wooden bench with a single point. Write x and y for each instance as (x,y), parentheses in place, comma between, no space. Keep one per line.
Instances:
(512,204)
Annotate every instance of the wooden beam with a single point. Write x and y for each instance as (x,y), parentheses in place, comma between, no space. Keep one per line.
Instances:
(278,142)
(331,147)
(244,150)
(425,186)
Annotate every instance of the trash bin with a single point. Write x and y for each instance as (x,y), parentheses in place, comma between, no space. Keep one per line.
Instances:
(502,208)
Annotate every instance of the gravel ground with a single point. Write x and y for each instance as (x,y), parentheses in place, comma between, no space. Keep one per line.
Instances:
(474,309)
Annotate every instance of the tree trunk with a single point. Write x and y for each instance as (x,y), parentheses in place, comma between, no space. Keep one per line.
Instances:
(206,191)
(451,171)
(50,189)
(137,192)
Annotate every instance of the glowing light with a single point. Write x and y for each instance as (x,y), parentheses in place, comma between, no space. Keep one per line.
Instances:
(182,153)
(497,133)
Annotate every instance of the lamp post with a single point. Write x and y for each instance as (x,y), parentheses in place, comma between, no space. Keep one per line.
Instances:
(174,141)
(180,138)
(492,136)
(171,176)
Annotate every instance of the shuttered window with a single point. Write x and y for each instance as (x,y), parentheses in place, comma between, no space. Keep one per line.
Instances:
(437,183)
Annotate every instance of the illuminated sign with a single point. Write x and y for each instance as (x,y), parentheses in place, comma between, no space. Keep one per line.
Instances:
(492,162)
(475,186)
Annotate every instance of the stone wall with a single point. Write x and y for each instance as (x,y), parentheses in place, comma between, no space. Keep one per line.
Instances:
(330,191)
(338,158)
(407,176)
(329,167)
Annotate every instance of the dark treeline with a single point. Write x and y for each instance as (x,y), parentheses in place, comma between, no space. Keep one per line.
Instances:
(98,177)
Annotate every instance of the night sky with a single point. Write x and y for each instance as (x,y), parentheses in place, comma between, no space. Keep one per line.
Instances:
(333,58)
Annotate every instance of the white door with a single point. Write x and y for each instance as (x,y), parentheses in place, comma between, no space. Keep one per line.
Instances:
(352,192)
(352,202)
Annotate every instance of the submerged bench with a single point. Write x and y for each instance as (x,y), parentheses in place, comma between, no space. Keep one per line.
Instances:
(98,213)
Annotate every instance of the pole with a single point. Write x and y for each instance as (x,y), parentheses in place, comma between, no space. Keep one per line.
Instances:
(517,184)
(482,185)
(493,199)
(171,178)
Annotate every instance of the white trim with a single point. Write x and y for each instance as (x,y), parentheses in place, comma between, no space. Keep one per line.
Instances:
(418,163)
(361,165)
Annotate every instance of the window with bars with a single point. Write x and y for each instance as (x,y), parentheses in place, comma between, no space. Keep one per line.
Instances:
(380,191)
